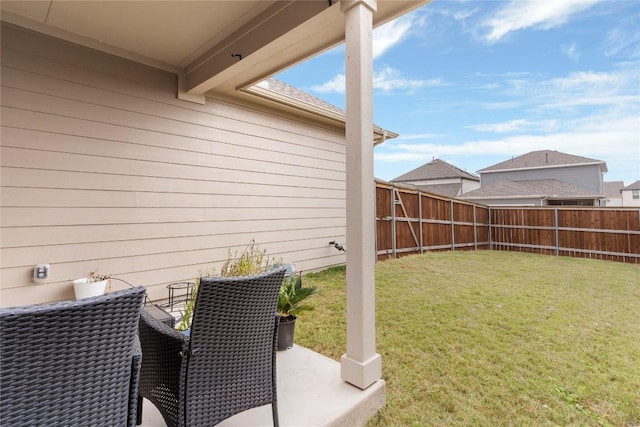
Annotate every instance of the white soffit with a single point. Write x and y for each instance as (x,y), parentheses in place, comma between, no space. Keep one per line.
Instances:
(173,32)
(192,38)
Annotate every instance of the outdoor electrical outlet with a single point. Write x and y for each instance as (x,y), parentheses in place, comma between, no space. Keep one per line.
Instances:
(41,272)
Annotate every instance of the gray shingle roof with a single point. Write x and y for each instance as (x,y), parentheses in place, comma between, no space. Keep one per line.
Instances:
(612,188)
(282,88)
(633,186)
(445,190)
(285,90)
(435,169)
(543,158)
(531,188)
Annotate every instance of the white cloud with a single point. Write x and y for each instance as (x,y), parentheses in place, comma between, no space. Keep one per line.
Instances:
(464,14)
(507,105)
(336,85)
(591,88)
(609,137)
(581,88)
(571,51)
(521,14)
(418,136)
(388,79)
(518,125)
(625,38)
(587,79)
(390,34)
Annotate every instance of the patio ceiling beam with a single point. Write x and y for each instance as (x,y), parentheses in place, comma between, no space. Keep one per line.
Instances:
(361,365)
(240,51)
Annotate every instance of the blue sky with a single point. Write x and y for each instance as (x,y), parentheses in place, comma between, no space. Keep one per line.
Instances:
(477,82)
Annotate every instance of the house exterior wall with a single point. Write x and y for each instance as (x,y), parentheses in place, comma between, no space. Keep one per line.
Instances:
(628,197)
(509,202)
(103,168)
(466,184)
(614,201)
(588,177)
(469,185)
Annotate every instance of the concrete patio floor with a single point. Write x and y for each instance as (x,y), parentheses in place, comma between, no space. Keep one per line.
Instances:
(310,393)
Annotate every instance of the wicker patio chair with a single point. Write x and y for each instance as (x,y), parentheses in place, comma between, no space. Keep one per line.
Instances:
(72,363)
(226,365)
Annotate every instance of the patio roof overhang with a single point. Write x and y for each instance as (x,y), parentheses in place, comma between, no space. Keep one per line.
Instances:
(213,46)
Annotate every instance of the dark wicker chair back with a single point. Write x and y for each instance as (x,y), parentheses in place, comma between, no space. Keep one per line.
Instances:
(71,363)
(230,355)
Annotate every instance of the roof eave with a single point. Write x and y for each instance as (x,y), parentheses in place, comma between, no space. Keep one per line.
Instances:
(380,134)
(601,165)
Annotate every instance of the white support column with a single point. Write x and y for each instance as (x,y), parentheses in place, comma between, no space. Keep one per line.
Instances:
(361,365)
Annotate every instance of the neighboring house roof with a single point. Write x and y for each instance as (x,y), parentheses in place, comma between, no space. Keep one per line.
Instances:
(446,190)
(548,188)
(543,159)
(435,169)
(612,188)
(633,186)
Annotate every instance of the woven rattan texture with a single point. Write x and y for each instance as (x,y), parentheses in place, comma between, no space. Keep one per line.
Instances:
(229,364)
(70,363)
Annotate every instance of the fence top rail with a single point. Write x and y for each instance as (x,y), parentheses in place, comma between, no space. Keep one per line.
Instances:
(568,208)
(405,188)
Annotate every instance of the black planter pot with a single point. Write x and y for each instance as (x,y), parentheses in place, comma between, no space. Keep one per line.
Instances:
(286,329)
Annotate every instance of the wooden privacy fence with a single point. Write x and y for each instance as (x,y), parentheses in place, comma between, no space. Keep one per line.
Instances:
(409,221)
(604,233)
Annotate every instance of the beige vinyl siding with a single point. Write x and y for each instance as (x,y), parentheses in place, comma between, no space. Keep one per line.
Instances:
(103,168)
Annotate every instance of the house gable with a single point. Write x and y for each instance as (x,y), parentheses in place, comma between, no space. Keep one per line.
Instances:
(441,178)
(435,169)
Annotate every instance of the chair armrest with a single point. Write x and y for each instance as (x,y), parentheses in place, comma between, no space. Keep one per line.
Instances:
(136,362)
(152,327)
(162,362)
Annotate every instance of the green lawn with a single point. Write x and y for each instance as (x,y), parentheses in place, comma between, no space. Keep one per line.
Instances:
(496,338)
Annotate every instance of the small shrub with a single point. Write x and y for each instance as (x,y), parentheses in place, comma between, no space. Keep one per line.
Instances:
(252,260)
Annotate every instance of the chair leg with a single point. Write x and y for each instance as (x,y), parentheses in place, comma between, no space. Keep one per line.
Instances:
(274,410)
(139,411)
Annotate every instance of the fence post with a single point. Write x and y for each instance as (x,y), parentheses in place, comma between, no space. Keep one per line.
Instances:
(490,229)
(393,222)
(453,231)
(555,215)
(475,230)
(375,209)
(420,219)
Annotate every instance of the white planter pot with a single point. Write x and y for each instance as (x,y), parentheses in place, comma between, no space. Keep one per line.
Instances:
(86,290)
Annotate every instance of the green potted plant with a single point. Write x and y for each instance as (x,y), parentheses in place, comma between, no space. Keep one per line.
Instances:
(290,304)
(93,285)
(252,260)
